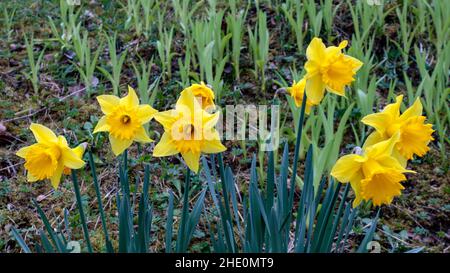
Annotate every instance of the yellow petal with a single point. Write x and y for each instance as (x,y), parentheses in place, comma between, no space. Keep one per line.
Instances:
(71,159)
(192,160)
(166,118)
(213,147)
(101,126)
(108,103)
(339,92)
(22,152)
(414,111)
(316,50)
(131,100)
(393,109)
(43,134)
(403,161)
(315,89)
(141,136)
(79,150)
(119,145)
(355,183)
(392,163)
(382,148)
(347,167)
(379,121)
(355,63)
(209,120)
(31,178)
(56,178)
(165,147)
(187,103)
(146,113)
(373,139)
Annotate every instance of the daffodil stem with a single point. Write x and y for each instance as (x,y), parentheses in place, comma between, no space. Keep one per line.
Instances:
(297,150)
(80,208)
(181,247)
(99,202)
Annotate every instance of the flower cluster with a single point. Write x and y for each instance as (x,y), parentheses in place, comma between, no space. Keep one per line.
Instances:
(377,173)
(189,130)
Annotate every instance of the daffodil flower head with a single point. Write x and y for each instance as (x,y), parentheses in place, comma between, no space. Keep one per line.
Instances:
(374,175)
(415,134)
(328,69)
(48,158)
(203,94)
(189,130)
(124,120)
(297,91)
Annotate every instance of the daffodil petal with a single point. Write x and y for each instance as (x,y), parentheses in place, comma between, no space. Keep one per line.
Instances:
(164,147)
(316,50)
(356,64)
(31,178)
(146,113)
(315,89)
(383,148)
(101,126)
(414,111)
(187,100)
(71,159)
(378,121)
(192,160)
(43,134)
(79,150)
(108,103)
(141,136)
(119,145)
(22,152)
(56,178)
(403,161)
(166,118)
(355,183)
(373,139)
(347,167)
(131,99)
(213,147)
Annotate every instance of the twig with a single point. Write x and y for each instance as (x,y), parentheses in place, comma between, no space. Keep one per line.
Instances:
(26,116)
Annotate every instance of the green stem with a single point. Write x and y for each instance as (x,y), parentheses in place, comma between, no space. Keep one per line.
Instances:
(297,150)
(99,202)
(80,208)
(181,236)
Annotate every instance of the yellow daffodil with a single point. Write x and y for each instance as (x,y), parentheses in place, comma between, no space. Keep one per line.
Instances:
(47,158)
(328,69)
(297,91)
(415,134)
(124,119)
(189,130)
(374,175)
(203,94)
